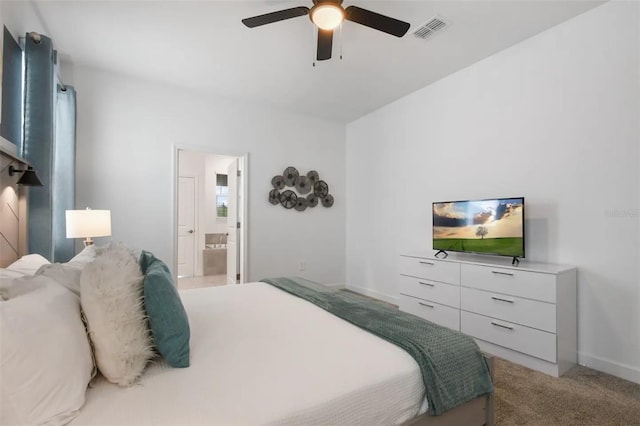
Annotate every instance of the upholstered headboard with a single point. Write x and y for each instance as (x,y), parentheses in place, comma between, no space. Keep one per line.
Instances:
(13,209)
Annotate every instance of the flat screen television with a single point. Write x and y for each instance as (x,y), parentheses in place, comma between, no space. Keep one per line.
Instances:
(493,226)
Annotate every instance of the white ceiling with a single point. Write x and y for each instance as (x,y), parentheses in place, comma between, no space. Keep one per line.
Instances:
(203,45)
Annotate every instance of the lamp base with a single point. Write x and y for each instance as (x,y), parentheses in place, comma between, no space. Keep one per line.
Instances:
(88,242)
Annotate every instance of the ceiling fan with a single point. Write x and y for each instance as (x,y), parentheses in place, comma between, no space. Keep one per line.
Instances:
(327,15)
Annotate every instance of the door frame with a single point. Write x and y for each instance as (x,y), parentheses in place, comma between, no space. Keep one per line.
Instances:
(243,161)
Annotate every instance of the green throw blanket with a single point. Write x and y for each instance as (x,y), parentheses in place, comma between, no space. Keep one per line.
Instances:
(453,368)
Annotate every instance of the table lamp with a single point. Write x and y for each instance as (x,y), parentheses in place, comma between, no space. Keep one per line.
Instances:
(88,224)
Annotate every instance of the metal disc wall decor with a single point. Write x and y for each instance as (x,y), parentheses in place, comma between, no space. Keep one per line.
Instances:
(327,200)
(301,204)
(317,190)
(313,176)
(321,189)
(312,200)
(290,176)
(274,197)
(278,182)
(303,185)
(288,199)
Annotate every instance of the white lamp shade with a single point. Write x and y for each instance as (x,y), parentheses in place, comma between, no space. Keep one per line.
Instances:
(88,223)
(327,16)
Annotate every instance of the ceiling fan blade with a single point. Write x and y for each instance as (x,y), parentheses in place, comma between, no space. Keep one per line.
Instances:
(325,44)
(376,21)
(272,17)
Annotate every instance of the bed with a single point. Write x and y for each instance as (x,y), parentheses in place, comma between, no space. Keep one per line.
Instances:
(262,356)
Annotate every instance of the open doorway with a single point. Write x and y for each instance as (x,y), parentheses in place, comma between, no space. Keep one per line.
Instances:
(210,214)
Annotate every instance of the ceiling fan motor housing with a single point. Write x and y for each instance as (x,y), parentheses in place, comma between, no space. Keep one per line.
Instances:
(327,14)
(336,2)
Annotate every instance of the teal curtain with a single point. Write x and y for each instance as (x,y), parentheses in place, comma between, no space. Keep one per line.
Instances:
(49,145)
(64,161)
(11,122)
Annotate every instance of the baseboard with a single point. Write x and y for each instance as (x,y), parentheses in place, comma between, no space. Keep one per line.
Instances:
(334,285)
(375,294)
(617,369)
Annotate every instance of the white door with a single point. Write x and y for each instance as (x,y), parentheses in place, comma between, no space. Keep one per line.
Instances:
(233,245)
(186,226)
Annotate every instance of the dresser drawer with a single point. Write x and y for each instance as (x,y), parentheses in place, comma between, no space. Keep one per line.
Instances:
(532,313)
(523,339)
(435,270)
(434,312)
(527,284)
(434,291)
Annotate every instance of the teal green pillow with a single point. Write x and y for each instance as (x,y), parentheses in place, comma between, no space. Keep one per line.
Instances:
(167,318)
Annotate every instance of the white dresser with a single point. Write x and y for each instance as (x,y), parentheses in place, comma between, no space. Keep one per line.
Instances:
(526,314)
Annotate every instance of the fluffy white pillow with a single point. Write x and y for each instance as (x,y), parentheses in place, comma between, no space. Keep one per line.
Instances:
(45,360)
(28,264)
(111,295)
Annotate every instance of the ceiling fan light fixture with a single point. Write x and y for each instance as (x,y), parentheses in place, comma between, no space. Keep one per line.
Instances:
(327,16)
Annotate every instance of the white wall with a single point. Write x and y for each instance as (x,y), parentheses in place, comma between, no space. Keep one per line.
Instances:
(127,129)
(555,119)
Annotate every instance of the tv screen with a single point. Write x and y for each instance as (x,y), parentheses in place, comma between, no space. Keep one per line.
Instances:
(494,226)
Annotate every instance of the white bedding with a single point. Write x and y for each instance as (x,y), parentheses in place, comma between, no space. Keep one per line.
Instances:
(262,356)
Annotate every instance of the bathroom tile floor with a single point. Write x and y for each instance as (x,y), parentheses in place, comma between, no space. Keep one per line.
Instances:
(187,283)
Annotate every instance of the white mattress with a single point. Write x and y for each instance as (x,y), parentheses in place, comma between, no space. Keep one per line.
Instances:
(262,356)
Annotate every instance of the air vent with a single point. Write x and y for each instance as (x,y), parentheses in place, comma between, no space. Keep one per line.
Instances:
(431,27)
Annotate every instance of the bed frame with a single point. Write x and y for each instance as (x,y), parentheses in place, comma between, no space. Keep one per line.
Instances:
(13,230)
(477,412)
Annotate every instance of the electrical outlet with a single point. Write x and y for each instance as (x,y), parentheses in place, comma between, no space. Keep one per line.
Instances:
(302,265)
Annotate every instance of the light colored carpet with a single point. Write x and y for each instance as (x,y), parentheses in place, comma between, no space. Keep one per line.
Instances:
(581,397)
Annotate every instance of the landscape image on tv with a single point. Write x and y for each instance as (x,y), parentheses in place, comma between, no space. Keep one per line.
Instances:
(484,226)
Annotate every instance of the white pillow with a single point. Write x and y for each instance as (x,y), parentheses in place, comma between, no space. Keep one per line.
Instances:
(45,360)
(28,264)
(14,284)
(65,274)
(87,255)
(68,274)
(6,275)
(111,293)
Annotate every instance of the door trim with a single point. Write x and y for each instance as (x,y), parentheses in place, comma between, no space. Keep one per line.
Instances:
(243,159)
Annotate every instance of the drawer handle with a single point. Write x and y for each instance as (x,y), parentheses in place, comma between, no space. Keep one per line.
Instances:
(426,304)
(429,284)
(501,299)
(503,273)
(424,262)
(502,325)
